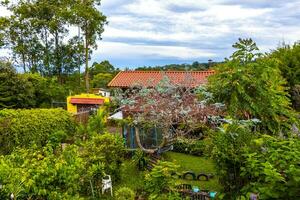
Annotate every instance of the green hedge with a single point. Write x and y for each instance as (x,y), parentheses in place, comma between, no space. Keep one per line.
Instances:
(23,128)
(190,146)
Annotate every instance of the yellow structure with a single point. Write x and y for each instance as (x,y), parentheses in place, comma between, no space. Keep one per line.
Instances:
(85,102)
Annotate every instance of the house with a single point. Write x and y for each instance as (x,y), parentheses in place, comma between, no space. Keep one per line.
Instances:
(85,102)
(125,80)
(128,79)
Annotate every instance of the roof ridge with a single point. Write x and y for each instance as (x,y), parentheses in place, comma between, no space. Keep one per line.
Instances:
(157,71)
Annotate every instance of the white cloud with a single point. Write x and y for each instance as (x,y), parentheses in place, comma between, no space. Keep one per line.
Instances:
(186,30)
(124,50)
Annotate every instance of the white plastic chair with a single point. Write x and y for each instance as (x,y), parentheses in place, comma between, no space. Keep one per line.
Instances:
(107,184)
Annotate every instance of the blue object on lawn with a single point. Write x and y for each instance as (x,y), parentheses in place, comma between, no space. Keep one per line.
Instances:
(212,194)
(196,189)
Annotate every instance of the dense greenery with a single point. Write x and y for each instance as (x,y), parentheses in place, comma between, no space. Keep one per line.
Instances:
(289,59)
(52,173)
(195,66)
(24,128)
(257,101)
(272,168)
(190,146)
(251,86)
(37,33)
(162,179)
(227,153)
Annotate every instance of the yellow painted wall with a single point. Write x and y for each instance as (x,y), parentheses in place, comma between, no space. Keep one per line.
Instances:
(73,108)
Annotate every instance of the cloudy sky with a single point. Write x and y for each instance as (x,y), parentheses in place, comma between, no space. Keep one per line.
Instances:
(157,32)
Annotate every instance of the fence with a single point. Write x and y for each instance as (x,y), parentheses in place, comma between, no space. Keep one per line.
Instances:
(82,117)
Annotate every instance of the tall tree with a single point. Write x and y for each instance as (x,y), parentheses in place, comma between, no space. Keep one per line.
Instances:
(91,22)
(36,33)
(251,86)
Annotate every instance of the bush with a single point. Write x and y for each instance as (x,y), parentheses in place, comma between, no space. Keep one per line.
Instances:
(273,169)
(190,146)
(106,150)
(23,128)
(40,174)
(125,193)
(52,173)
(162,179)
(227,153)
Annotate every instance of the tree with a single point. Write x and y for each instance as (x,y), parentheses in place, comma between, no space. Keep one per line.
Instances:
(91,21)
(102,67)
(245,50)
(174,109)
(251,86)
(289,65)
(36,33)
(15,91)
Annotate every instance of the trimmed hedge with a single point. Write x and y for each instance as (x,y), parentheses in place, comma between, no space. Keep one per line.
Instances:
(23,128)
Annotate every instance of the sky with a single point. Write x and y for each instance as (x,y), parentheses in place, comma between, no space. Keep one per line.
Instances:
(159,32)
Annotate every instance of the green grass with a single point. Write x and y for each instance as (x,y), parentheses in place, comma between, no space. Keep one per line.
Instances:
(132,178)
(196,164)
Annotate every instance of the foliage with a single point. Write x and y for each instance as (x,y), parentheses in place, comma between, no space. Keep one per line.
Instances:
(227,153)
(28,90)
(245,50)
(289,65)
(15,90)
(190,146)
(253,88)
(272,168)
(91,21)
(39,174)
(104,151)
(37,33)
(124,193)
(172,108)
(140,158)
(46,90)
(53,173)
(97,122)
(24,128)
(102,67)
(101,80)
(162,179)
(195,66)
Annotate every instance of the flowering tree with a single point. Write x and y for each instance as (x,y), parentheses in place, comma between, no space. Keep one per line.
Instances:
(176,109)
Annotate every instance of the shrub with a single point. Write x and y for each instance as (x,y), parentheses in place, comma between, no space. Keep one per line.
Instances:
(23,128)
(190,146)
(124,193)
(272,168)
(49,173)
(162,179)
(106,150)
(40,174)
(227,153)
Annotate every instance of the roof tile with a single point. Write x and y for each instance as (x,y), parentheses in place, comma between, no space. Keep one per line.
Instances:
(125,79)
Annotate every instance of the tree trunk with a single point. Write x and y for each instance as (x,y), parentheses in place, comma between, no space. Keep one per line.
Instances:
(57,59)
(87,85)
(151,151)
(23,60)
(137,137)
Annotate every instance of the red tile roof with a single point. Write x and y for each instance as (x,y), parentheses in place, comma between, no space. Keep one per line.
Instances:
(125,79)
(86,101)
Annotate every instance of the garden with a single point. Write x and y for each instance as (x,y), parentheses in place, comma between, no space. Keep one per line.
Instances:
(234,137)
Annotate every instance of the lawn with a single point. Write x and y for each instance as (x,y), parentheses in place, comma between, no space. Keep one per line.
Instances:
(132,178)
(196,164)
